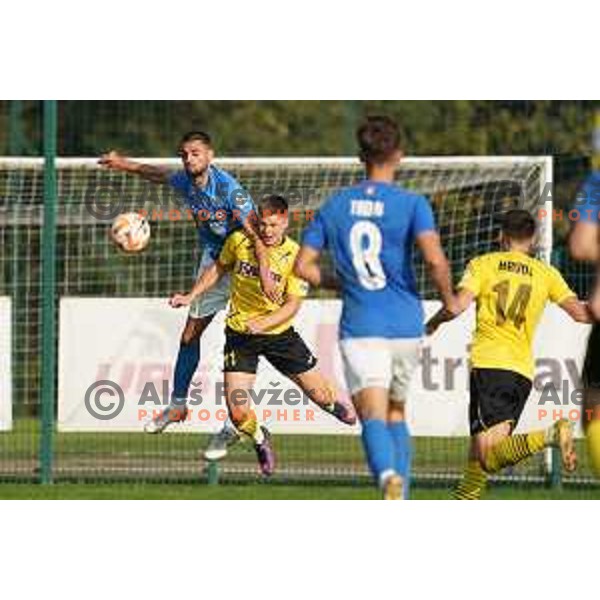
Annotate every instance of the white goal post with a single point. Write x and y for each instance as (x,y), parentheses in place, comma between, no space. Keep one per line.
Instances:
(431,176)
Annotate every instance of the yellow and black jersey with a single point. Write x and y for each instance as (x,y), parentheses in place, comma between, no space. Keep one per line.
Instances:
(511,291)
(247,300)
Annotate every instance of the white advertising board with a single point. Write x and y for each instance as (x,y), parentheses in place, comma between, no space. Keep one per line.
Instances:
(133,343)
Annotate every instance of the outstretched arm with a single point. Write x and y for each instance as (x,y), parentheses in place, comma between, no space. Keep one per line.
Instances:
(579,311)
(116,162)
(205,282)
(463,301)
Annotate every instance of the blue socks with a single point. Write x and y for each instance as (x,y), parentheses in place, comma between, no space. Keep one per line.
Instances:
(379,448)
(388,448)
(402,451)
(185,367)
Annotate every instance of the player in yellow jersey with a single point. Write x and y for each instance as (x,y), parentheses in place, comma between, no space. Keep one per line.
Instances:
(511,289)
(258,326)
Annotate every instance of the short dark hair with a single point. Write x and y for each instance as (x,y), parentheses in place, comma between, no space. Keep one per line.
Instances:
(378,138)
(518,224)
(196,136)
(273,203)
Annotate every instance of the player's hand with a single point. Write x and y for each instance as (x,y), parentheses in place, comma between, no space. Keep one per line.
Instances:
(269,288)
(261,252)
(251,232)
(179,300)
(272,291)
(256,326)
(113,160)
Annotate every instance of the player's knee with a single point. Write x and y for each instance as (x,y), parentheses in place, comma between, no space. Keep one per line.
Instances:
(396,412)
(484,458)
(480,452)
(188,338)
(191,334)
(484,463)
(488,457)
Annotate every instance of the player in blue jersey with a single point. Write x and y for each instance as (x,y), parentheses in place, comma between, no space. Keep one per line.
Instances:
(370,229)
(584,245)
(220,206)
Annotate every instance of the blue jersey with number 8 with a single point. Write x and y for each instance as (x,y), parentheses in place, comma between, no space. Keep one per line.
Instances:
(370,231)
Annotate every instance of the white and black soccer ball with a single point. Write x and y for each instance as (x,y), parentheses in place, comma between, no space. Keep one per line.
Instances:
(130,232)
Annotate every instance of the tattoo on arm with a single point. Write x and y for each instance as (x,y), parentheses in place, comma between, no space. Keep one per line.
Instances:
(153,173)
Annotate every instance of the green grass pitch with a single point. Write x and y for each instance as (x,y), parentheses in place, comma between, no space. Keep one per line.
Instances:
(169,466)
(149,491)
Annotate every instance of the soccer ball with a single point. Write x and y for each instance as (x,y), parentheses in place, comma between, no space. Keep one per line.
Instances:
(130,232)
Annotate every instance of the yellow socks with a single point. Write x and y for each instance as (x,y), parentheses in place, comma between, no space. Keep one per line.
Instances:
(473,483)
(251,428)
(514,449)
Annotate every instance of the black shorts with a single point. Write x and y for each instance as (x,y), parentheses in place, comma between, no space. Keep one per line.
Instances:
(497,396)
(286,351)
(590,375)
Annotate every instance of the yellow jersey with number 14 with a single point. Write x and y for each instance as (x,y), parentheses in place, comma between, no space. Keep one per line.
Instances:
(511,291)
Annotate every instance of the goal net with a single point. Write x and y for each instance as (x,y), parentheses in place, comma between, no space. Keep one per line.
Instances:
(99,291)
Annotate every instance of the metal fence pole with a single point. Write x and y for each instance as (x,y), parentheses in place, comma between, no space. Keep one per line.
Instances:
(16,147)
(48,293)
